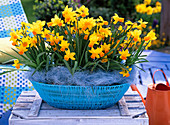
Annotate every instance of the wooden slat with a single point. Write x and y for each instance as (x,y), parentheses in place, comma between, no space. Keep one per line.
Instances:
(28,93)
(155,53)
(81,121)
(25,99)
(35,106)
(148,65)
(22,106)
(43,114)
(135,105)
(146,77)
(27,106)
(44,106)
(168,65)
(123,107)
(158,59)
(132,98)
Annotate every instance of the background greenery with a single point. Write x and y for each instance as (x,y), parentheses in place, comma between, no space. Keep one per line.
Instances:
(28,8)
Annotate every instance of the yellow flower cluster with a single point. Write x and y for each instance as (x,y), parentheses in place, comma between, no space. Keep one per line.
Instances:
(82,41)
(146,8)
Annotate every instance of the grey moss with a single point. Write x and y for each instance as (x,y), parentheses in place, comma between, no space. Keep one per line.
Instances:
(61,76)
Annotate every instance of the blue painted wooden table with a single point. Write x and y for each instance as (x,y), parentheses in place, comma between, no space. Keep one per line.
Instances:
(157,60)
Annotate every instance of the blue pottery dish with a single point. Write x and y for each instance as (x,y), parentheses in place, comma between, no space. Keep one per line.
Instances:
(80,97)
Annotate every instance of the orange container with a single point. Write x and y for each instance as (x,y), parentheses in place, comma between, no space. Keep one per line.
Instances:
(157,102)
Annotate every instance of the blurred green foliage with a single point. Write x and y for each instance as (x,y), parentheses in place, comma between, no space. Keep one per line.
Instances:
(107,8)
(46,9)
(28,8)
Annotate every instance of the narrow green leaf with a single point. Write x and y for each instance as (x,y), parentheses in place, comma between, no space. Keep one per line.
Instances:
(108,65)
(38,67)
(19,54)
(47,63)
(67,65)
(75,66)
(38,57)
(95,65)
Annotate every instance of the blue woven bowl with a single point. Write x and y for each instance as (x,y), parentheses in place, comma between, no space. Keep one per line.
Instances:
(80,97)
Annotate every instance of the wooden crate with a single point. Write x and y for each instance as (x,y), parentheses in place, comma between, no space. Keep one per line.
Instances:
(31,110)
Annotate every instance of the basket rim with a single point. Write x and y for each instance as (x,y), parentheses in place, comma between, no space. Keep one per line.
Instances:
(50,85)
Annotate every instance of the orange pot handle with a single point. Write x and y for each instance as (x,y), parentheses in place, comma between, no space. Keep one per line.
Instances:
(167,83)
(134,88)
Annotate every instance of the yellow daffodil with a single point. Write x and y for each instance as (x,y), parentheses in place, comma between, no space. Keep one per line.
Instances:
(128,23)
(124,54)
(56,21)
(106,47)
(33,41)
(125,73)
(35,29)
(64,45)
(136,35)
(117,19)
(149,10)
(88,23)
(101,22)
(147,2)
(96,53)
(69,55)
(141,8)
(93,39)
(22,49)
(14,36)
(46,33)
(142,24)
(120,28)
(17,64)
(83,11)
(69,14)
(105,32)
(26,41)
(150,36)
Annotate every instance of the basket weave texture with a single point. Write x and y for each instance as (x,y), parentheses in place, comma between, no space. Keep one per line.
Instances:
(80,97)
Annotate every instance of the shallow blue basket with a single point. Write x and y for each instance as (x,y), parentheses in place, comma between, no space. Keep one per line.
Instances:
(80,97)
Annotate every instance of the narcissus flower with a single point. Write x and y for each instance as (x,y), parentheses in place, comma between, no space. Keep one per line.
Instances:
(88,23)
(105,32)
(17,64)
(142,24)
(117,19)
(150,36)
(106,47)
(64,45)
(69,55)
(14,36)
(93,39)
(136,35)
(141,8)
(36,27)
(56,21)
(124,54)
(125,72)
(69,14)
(147,2)
(22,49)
(83,11)
(149,10)
(46,33)
(96,53)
